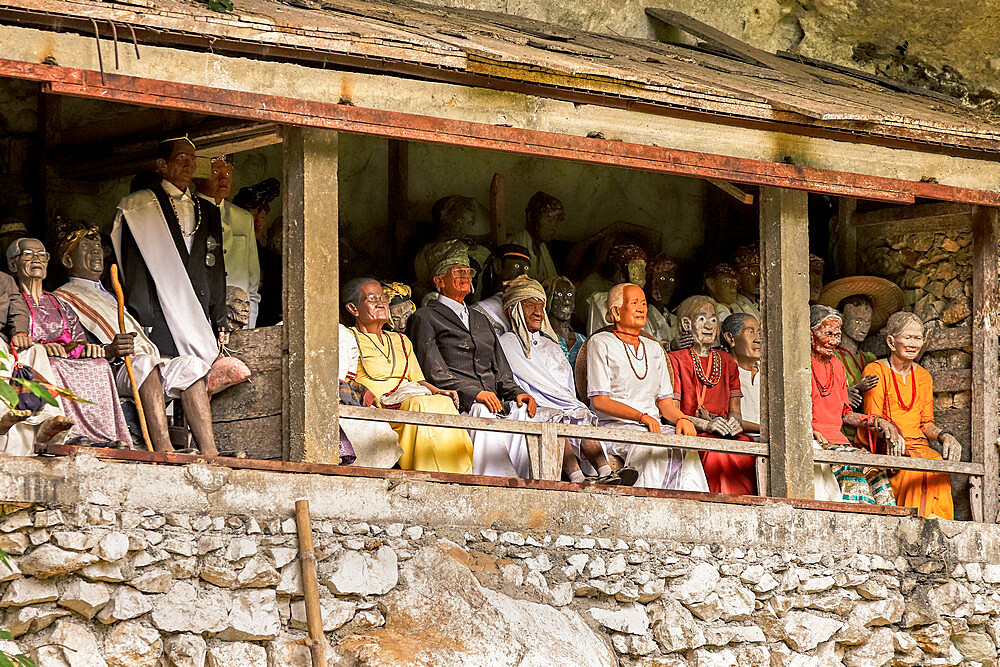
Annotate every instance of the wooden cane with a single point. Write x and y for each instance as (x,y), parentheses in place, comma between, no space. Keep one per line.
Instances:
(128,358)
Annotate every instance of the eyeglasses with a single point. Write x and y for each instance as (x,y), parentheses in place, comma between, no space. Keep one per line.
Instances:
(463,272)
(375,298)
(33,254)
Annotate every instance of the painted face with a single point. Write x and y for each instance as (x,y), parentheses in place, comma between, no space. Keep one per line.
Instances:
(179,167)
(534,313)
(907,343)
(826,337)
(237,307)
(662,284)
(513,266)
(704,325)
(456,282)
(636,270)
(544,226)
(722,287)
(857,321)
(815,283)
(747,343)
(749,280)
(633,310)
(562,302)
(88,259)
(220,182)
(400,313)
(372,307)
(33,262)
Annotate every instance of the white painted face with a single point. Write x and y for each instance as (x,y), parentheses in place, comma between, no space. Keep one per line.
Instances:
(907,343)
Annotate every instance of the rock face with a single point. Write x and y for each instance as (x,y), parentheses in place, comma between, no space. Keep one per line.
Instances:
(467,624)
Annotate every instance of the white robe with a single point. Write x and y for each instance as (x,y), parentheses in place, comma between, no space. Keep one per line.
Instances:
(496,453)
(492,308)
(98,312)
(20,439)
(641,385)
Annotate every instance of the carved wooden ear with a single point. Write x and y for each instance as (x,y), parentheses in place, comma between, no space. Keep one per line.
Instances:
(686,323)
(729,338)
(161,165)
(67,261)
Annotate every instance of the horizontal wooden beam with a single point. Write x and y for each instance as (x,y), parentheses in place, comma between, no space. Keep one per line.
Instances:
(950,338)
(733,191)
(953,380)
(413,127)
(898,462)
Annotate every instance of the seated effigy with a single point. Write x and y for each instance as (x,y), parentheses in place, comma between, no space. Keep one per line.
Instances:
(741,338)
(506,263)
(721,284)
(707,391)
(458,350)
(454,217)
(747,264)
(388,367)
(629,265)
(401,304)
(76,364)
(540,366)
(628,383)
(560,295)
(905,397)
(82,255)
(543,215)
(831,412)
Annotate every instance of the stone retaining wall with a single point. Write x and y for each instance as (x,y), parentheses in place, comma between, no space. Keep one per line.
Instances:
(136,565)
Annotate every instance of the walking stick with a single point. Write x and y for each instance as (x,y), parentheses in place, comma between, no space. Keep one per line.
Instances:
(128,358)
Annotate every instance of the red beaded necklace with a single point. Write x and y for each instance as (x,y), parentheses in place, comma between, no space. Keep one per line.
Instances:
(715,368)
(827,389)
(913,388)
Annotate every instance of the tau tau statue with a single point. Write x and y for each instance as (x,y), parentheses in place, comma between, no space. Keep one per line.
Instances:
(238,307)
(721,284)
(747,263)
(401,304)
(816,268)
(627,262)
(455,217)
(561,299)
(506,263)
(82,255)
(544,215)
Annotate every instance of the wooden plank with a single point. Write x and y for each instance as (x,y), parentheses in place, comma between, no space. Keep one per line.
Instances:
(257,397)
(786,418)
(912,213)
(732,191)
(845,253)
(899,462)
(259,438)
(260,349)
(951,338)
(952,380)
(985,367)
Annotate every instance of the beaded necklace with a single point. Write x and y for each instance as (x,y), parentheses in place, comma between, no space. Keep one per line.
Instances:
(824,390)
(715,368)
(628,355)
(177,216)
(913,389)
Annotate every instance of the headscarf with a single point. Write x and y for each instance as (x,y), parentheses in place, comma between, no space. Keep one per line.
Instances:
(446,254)
(518,290)
(71,233)
(819,314)
(396,292)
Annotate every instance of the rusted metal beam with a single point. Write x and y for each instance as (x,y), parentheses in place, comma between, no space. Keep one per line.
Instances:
(412,127)
(137,456)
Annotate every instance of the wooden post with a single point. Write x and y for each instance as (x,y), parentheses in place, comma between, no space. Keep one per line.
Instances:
(312,294)
(845,254)
(985,327)
(399,179)
(498,209)
(786,402)
(310,585)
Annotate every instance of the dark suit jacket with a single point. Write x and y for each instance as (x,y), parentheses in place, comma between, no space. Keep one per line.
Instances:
(453,357)
(14,315)
(209,282)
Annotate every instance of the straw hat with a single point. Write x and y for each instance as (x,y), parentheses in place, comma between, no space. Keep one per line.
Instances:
(886,296)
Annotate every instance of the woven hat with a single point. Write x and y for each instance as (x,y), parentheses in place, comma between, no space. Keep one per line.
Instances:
(886,296)
(446,254)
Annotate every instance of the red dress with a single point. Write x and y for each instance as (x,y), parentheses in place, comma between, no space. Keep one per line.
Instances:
(734,474)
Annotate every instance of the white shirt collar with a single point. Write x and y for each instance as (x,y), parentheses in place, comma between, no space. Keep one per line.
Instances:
(96,284)
(210,200)
(459,308)
(173,191)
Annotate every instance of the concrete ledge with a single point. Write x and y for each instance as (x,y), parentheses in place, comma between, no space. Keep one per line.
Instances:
(215,490)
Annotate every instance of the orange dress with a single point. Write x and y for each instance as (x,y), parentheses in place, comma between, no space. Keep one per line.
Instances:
(929,492)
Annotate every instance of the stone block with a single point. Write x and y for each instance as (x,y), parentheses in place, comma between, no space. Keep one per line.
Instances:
(126,603)
(14,544)
(25,591)
(185,608)
(49,560)
(75,541)
(67,644)
(707,658)
(697,585)
(112,547)
(132,644)
(878,650)
(334,613)
(85,598)
(220,573)
(674,628)
(240,548)
(736,603)
(975,647)
(185,650)
(153,580)
(253,616)
(358,574)
(36,618)
(102,571)
(237,654)
(257,573)
(630,619)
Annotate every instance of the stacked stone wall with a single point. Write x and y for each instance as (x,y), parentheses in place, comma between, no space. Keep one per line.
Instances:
(474,576)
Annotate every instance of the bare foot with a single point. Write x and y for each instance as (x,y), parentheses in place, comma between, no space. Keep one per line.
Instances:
(12,417)
(50,428)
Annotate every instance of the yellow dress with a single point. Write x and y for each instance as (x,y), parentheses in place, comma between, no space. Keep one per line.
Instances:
(382,367)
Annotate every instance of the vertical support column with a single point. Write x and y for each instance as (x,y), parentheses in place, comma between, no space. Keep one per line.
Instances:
(845,252)
(787,404)
(398,191)
(312,295)
(985,327)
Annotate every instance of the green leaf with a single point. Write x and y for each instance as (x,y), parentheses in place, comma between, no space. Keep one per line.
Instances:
(8,394)
(39,390)
(3,559)
(6,635)
(5,660)
(225,6)
(25,661)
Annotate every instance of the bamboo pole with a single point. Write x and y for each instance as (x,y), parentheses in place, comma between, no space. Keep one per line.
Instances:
(310,585)
(120,297)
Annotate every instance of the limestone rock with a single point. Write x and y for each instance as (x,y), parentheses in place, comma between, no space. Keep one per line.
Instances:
(132,644)
(975,647)
(334,613)
(20,620)
(258,573)
(185,650)
(724,658)
(291,580)
(240,548)
(75,541)
(674,628)
(220,573)
(101,571)
(126,603)
(253,616)
(67,644)
(804,631)
(286,651)
(932,638)
(185,609)
(950,599)
(733,634)
(465,624)
(85,598)
(697,585)
(358,574)
(112,547)
(878,650)
(14,544)
(237,654)
(736,603)
(49,560)
(630,619)
(153,580)
(282,556)
(25,591)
